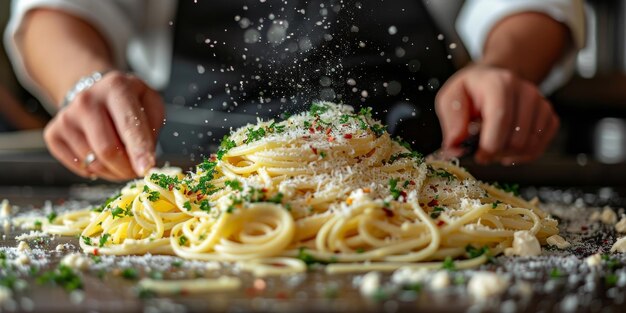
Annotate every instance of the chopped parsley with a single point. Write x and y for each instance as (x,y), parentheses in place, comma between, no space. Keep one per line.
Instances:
(205,205)
(366,111)
(360,250)
(403,143)
(610,279)
(37,224)
(182,240)
(9,280)
(512,188)
(443,174)
(448,264)
(476,252)
(611,263)
(153,196)
(378,129)
(317,109)
(165,181)
(63,276)
(415,287)
(323,154)
(393,188)
(277,198)
(344,118)
(274,128)
(254,134)
(495,204)
(419,158)
(233,184)
(309,260)
(436,212)
(177,263)
(225,145)
(187,205)
(119,212)
(130,273)
(51,216)
(556,273)
(103,239)
(86,240)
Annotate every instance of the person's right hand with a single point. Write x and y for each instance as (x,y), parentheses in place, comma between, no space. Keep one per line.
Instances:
(117,119)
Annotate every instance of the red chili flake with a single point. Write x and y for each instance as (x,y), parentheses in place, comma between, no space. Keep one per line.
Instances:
(311,130)
(170,187)
(440,223)
(432,187)
(264,189)
(403,194)
(199,197)
(433,202)
(314,150)
(95,251)
(412,182)
(278,265)
(328,130)
(388,212)
(584,228)
(331,138)
(347,136)
(282,295)
(319,128)
(189,192)
(213,157)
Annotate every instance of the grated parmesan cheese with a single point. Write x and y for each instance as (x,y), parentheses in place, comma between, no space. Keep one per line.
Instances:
(619,245)
(558,241)
(483,285)
(524,244)
(620,227)
(23,246)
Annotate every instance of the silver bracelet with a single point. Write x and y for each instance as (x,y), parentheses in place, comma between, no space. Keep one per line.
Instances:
(82,84)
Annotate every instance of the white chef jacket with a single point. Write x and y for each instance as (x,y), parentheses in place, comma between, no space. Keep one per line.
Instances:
(139,35)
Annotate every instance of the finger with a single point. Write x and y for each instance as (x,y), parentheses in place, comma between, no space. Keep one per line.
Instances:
(77,142)
(544,129)
(106,145)
(453,107)
(547,130)
(62,152)
(131,123)
(152,105)
(497,114)
(526,106)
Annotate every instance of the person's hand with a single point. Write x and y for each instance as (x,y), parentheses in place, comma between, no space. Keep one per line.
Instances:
(117,120)
(518,123)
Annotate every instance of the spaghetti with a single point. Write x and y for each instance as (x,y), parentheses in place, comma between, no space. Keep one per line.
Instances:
(329,185)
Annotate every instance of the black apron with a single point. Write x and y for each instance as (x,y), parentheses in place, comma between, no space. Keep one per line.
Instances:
(238,60)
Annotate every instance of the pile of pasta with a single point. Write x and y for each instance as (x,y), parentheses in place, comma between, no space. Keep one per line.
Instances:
(329,185)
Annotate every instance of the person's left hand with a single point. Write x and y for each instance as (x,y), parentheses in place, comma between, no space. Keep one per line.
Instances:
(518,123)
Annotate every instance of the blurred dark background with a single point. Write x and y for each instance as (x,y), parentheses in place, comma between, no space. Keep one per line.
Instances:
(590,149)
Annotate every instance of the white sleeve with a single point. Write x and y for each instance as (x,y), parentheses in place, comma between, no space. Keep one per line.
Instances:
(478,17)
(116,20)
